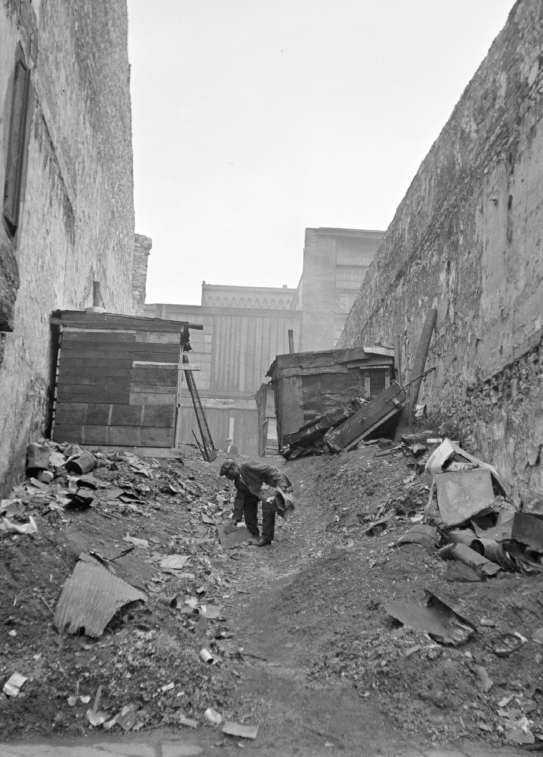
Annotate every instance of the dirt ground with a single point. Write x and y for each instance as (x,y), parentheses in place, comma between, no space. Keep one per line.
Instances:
(303,646)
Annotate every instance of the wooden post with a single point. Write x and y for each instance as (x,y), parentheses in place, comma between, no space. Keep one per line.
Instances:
(291,341)
(398,359)
(420,359)
(96,294)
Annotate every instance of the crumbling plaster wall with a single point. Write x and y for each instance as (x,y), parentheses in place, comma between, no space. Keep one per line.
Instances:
(467,240)
(76,215)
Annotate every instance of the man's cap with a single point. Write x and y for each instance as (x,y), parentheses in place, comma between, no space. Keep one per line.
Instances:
(226,467)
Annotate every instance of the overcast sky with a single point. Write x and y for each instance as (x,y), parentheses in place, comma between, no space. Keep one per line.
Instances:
(254,119)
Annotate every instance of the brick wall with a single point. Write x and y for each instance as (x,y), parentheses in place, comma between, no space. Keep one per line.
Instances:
(467,239)
(76,220)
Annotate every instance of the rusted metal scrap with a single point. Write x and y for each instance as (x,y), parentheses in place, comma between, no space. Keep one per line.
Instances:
(463,495)
(528,529)
(435,617)
(90,598)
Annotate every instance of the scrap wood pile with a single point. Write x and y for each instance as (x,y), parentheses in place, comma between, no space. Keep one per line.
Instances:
(346,427)
(118,559)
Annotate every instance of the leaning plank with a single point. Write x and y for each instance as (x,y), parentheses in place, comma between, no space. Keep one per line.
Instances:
(368,419)
(90,598)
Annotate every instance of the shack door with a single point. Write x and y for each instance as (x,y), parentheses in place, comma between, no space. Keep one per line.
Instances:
(116,382)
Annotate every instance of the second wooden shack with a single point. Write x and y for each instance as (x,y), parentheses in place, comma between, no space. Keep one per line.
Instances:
(308,385)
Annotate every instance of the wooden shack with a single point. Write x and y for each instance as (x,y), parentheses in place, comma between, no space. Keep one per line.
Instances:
(309,385)
(116,380)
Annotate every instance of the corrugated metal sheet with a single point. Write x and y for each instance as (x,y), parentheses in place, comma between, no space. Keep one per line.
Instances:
(90,598)
(244,347)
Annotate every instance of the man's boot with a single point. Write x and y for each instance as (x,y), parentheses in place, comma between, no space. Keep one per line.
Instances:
(268,523)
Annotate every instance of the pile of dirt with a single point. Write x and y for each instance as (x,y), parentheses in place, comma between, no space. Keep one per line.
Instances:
(476,690)
(148,657)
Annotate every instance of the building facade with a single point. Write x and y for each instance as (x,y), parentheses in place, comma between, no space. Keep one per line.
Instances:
(233,352)
(66,177)
(335,264)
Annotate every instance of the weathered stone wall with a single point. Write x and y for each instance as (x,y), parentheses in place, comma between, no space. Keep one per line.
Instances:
(467,239)
(76,212)
(142,250)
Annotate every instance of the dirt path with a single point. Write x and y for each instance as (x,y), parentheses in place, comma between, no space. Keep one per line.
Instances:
(298,716)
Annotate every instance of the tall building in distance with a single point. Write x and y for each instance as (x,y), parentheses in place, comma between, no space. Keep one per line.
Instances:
(335,263)
(245,328)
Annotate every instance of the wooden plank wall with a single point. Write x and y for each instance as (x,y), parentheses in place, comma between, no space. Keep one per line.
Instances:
(116,387)
(218,420)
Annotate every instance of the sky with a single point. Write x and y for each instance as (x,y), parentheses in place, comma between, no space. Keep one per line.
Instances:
(256,119)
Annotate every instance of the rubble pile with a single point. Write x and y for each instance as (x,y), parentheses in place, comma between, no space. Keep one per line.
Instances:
(82,528)
(450,655)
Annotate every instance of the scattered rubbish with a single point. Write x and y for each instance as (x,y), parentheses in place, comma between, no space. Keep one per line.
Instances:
(457,571)
(206,656)
(90,598)
(233,538)
(435,617)
(74,699)
(463,495)
(82,498)
(135,541)
(9,527)
(187,722)
(522,735)
(208,520)
(506,644)
(37,457)
(427,536)
(528,529)
(45,476)
(213,716)
(13,685)
(440,457)
(211,612)
(471,558)
(173,563)
(377,528)
(237,729)
(81,464)
(94,715)
(126,718)
(485,681)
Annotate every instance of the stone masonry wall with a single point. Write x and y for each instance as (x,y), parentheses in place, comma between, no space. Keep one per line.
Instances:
(76,212)
(467,239)
(142,250)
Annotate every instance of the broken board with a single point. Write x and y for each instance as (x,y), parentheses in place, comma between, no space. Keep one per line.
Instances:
(368,419)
